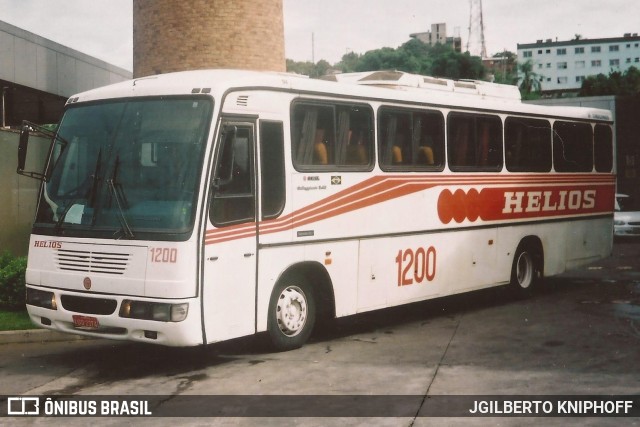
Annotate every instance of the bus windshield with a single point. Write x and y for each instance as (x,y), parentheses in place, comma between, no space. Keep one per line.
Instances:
(125,169)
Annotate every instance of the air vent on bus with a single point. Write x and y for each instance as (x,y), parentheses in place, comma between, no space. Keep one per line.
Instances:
(243,100)
(92,262)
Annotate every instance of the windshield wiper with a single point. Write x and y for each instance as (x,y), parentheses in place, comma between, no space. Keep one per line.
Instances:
(118,194)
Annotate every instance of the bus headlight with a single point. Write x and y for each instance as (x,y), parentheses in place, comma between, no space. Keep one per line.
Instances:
(161,312)
(40,298)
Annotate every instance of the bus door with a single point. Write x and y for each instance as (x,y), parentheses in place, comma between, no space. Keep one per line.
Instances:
(230,250)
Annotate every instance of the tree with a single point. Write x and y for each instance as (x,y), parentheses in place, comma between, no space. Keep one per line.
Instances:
(417,57)
(505,71)
(413,56)
(529,80)
(617,83)
(308,68)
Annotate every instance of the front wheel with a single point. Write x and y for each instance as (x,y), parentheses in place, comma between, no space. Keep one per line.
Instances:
(292,313)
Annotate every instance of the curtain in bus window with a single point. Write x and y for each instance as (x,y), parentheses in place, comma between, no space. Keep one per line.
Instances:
(343,135)
(358,138)
(572,147)
(306,135)
(603,148)
(460,146)
(429,135)
(389,124)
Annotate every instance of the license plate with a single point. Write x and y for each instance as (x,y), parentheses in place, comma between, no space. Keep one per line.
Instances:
(85,322)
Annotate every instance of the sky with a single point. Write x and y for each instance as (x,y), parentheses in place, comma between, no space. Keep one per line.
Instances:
(327,29)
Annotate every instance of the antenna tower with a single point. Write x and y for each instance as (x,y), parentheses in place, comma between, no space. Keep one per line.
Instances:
(475,42)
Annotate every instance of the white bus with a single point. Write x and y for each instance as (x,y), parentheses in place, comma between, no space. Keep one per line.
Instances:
(190,208)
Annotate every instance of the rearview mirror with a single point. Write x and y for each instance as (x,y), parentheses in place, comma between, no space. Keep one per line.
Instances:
(22,146)
(23,143)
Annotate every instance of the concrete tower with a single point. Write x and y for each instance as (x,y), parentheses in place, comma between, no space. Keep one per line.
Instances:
(170,35)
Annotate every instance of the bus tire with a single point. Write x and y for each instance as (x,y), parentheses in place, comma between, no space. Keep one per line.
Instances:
(525,271)
(292,313)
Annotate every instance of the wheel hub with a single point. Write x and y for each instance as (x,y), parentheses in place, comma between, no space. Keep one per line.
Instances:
(524,270)
(291,311)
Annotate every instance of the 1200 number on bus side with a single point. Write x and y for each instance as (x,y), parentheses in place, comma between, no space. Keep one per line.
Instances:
(416,266)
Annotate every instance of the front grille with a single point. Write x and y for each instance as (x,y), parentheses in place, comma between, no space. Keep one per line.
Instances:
(92,262)
(88,305)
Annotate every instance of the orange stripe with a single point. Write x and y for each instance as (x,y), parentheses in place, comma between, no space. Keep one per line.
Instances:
(382,188)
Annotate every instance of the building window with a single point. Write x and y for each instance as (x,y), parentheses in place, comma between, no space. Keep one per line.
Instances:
(548,51)
(596,63)
(595,49)
(527,54)
(579,50)
(628,60)
(562,80)
(549,65)
(562,51)
(562,65)
(579,79)
(580,64)
(614,48)
(614,62)
(539,51)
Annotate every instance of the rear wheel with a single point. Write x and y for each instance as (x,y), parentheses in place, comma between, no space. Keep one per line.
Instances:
(292,313)
(525,271)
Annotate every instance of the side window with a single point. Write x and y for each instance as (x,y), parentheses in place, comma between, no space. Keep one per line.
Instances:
(233,188)
(411,140)
(313,129)
(603,148)
(330,136)
(475,142)
(527,144)
(272,168)
(572,147)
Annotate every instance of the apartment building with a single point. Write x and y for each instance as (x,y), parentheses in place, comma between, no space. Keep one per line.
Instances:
(562,66)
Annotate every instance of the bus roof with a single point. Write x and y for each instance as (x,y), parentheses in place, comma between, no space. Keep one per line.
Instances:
(388,86)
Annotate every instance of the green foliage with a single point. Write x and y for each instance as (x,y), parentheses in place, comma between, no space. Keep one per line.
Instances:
(14,320)
(617,83)
(412,57)
(529,82)
(12,280)
(308,68)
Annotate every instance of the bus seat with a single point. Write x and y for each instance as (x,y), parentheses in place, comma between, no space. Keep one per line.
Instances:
(320,155)
(425,154)
(396,155)
(357,155)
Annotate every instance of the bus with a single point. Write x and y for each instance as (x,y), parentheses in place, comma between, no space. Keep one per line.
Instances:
(196,207)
